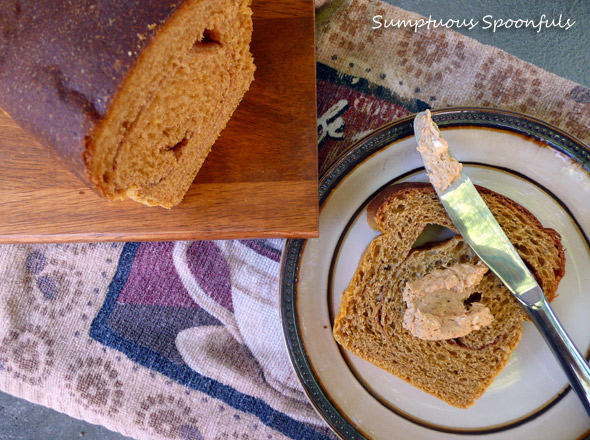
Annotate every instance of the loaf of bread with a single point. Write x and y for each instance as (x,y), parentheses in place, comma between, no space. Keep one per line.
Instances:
(370,319)
(132,94)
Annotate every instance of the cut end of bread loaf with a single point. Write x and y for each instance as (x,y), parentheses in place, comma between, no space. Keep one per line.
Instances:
(370,319)
(173,104)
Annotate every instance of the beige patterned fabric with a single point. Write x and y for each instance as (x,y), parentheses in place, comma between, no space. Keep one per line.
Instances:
(444,68)
(49,295)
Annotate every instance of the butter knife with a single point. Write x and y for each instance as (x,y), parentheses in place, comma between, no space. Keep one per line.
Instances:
(481,231)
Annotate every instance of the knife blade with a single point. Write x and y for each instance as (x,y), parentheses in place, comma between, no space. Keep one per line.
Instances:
(478,227)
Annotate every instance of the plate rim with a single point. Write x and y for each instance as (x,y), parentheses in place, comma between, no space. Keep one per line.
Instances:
(479,117)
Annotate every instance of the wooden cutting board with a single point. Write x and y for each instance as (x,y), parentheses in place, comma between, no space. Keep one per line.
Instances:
(260,179)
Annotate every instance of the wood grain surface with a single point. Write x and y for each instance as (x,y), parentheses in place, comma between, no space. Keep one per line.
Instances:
(260,179)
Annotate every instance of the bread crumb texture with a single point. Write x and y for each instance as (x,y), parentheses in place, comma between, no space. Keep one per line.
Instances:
(174,104)
(370,319)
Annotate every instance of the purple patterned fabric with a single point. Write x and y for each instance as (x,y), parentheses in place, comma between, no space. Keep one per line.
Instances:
(185,310)
(211,271)
(153,280)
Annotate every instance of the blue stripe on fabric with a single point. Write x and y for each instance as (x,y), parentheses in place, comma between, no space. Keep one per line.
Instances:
(183,374)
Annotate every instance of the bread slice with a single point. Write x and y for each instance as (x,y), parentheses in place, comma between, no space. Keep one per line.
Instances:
(369,322)
(131,95)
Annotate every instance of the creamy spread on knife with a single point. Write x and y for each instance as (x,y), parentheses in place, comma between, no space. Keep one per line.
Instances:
(436,303)
(441,167)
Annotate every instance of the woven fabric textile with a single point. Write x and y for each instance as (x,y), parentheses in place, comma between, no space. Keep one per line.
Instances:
(182,340)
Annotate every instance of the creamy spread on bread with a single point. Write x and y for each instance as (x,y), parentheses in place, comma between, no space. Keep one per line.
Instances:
(442,169)
(436,303)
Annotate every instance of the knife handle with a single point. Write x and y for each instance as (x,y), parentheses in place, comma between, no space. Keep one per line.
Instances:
(573,363)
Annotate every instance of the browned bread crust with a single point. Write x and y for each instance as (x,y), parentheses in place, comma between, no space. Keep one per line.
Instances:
(79,75)
(369,322)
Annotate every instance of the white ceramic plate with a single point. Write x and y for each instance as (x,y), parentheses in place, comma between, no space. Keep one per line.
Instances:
(538,166)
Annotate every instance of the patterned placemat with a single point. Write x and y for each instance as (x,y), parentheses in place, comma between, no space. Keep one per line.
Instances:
(183,340)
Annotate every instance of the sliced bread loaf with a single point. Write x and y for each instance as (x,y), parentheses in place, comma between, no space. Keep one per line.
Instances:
(131,94)
(370,319)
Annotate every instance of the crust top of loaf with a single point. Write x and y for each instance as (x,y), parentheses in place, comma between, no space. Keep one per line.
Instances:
(61,62)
